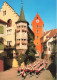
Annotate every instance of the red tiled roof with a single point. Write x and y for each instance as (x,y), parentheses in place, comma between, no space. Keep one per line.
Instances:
(45,33)
(48,32)
(3,21)
(52,33)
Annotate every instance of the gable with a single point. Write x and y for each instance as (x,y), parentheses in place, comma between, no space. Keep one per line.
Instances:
(10,13)
(37,17)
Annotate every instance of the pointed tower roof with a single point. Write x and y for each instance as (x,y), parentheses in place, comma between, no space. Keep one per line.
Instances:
(22,17)
(39,18)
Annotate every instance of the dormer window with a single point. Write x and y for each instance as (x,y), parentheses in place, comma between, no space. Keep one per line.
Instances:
(4,13)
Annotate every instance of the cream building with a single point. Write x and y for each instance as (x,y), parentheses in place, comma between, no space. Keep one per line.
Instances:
(15,33)
(10,16)
(22,29)
(7,14)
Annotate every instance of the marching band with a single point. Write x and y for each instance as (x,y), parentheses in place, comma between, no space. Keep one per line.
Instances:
(35,68)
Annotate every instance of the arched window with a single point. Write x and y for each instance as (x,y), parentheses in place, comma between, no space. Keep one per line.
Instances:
(9,23)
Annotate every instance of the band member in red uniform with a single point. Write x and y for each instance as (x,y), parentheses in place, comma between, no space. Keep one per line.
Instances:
(23,75)
(37,72)
(25,70)
(21,69)
(33,71)
(30,72)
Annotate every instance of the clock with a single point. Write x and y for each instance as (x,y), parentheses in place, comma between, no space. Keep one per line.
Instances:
(37,20)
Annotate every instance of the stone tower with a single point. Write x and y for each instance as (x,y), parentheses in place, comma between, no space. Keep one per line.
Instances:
(21,33)
(37,27)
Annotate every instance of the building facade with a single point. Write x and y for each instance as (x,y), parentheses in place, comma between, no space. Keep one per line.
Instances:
(21,33)
(37,27)
(15,33)
(2,30)
(48,41)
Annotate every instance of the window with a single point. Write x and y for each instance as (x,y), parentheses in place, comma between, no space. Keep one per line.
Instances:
(37,31)
(9,43)
(37,43)
(18,39)
(37,37)
(24,26)
(9,31)
(9,23)
(18,44)
(18,26)
(22,39)
(37,26)
(4,13)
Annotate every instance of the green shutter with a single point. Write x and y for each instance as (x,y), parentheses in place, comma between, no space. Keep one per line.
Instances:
(1,46)
(1,29)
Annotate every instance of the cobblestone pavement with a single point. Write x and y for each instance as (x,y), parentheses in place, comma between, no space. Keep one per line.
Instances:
(12,75)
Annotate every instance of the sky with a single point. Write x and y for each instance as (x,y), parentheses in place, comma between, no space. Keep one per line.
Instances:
(45,8)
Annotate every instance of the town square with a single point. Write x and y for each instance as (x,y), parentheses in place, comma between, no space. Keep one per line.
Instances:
(28,37)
